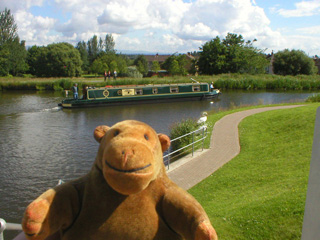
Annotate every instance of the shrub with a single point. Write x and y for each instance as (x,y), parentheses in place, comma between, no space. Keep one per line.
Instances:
(134,73)
(64,84)
(314,98)
(180,129)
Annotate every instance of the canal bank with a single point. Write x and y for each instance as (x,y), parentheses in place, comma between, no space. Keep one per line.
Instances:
(224,145)
(53,144)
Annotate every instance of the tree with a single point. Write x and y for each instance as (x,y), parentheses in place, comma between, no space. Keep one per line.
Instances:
(182,61)
(82,48)
(174,68)
(98,67)
(293,62)
(12,52)
(109,44)
(55,60)
(63,60)
(17,58)
(235,51)
(8,28)
(37,61)
(93,49)
(114,62)
(4,66)
(176,65)
(155,66)
(142,64)
(212,58)
(231,55)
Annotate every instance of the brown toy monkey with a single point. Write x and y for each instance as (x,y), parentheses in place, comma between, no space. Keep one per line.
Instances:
(126,195)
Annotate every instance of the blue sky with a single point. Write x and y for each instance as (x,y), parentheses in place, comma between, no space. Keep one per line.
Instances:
(168,26)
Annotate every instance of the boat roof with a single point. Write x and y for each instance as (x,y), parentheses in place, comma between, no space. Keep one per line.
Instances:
(148,85)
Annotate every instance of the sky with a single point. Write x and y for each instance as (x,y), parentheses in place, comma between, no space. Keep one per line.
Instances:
(169,26)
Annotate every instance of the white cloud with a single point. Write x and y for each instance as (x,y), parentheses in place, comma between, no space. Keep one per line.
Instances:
(34,30)
(142,14)
(15,5)
(150,25)
(128,43)
(196,31)
(207,19)
(303,43)
(315,30)
(303,8)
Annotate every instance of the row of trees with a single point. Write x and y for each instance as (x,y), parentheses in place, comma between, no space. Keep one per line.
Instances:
(234,55)
(64,60)
(230,55)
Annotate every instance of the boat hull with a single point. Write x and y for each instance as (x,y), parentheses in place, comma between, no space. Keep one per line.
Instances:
(128,95)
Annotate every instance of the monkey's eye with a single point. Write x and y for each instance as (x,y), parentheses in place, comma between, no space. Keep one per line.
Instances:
(146,137)
(116,133)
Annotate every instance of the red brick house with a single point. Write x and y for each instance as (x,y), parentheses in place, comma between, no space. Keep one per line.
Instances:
(316,60)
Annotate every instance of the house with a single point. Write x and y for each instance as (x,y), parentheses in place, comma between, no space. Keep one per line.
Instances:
(316,60)
(159,58)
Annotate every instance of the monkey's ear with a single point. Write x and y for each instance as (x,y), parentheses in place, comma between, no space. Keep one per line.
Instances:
(99,132)
(165,141)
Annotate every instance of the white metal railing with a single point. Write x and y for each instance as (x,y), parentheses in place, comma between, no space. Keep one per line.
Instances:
(8,226)
(195,139)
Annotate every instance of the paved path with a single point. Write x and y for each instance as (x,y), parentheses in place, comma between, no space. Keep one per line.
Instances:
(223,147)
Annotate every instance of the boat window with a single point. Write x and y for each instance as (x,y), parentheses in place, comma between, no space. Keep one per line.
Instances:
(155,90)
(119,92)
(174,89)
(139,92)
(196,88)
(128,92)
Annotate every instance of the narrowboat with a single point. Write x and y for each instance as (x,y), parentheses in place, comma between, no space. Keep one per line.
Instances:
(133,94)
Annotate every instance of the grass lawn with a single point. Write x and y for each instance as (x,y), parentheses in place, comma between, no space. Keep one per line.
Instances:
(261,193)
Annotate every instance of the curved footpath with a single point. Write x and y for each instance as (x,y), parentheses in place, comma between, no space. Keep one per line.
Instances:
(224,146)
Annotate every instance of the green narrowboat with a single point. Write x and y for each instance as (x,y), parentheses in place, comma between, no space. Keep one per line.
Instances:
(133,94)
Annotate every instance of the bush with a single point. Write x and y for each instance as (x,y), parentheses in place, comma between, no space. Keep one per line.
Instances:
(64,83)
(314,98)
(180,129)
(134,73)
(293,62)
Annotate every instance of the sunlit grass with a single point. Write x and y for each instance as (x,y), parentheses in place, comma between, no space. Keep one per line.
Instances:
(260,194)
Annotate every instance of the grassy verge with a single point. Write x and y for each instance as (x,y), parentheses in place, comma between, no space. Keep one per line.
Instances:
(223,81)
(261,193)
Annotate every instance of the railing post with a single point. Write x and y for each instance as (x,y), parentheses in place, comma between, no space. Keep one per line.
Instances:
(202,138)
(9,226)
(192,143)
(204,135)
(2,228)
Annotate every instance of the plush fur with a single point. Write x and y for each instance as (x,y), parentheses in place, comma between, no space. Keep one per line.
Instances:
(126,195)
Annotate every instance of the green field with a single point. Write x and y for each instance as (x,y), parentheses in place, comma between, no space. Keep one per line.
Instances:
(261,193)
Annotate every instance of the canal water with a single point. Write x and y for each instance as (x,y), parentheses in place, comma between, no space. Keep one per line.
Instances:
(41,143)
